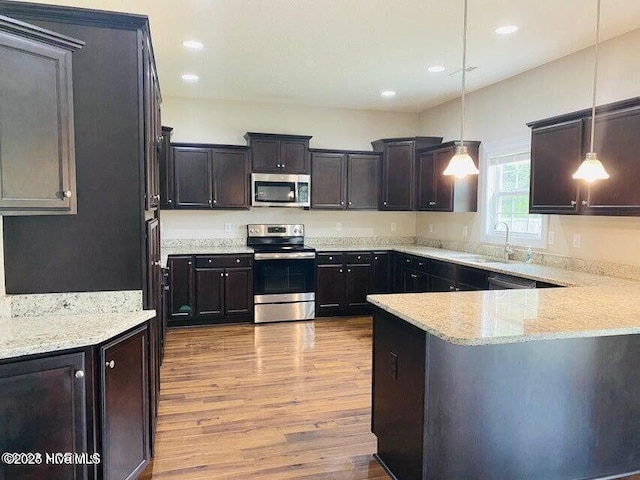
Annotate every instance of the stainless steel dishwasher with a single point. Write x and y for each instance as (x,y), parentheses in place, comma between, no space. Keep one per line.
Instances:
(507,282)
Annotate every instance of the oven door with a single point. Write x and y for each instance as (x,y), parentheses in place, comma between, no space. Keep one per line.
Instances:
(283,274)
(273,190)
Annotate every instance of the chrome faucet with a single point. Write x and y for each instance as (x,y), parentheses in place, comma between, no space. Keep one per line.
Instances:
(508,249)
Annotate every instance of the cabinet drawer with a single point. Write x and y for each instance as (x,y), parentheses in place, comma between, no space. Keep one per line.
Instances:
(359,257)
(421,264)
(442,269)
(331,258)
(216,261)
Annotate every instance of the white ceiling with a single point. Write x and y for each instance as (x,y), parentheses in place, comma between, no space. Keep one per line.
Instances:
(343,53)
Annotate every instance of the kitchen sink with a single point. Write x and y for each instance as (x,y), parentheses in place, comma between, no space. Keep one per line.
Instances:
(483,259)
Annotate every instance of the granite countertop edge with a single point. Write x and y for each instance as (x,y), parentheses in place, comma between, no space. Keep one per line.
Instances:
(53,333)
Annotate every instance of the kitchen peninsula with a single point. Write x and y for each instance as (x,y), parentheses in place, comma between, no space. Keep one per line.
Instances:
(508,384)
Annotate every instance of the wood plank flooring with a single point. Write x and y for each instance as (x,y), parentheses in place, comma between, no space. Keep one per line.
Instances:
(278,401)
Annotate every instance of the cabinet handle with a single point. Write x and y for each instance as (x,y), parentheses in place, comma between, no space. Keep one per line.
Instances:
(215,201)
(210,202)
(340,270)
(282,165)
(341,203)
(169,201)
(188,263)
(110,364)
(408,261)
(348,270)
(573,203)
(421,263)
(222,274)
(157,197)
(79,374)
(414,275)
(237,260)
(209,261)
(226,274)
(277,165)
(432,203)
(330,258)
(451,287)
(157,264)
(585,203)
(457,289)
(350,203)
(359,257)
(384,203)
(375,258)
(67,194)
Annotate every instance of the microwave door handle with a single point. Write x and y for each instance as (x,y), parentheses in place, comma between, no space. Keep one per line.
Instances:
(295,190)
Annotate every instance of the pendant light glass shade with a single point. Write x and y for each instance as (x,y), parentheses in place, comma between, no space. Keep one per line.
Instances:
(591,169)
(461,164)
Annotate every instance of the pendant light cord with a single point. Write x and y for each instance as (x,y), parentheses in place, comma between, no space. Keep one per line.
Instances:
(595,76)
(464,70)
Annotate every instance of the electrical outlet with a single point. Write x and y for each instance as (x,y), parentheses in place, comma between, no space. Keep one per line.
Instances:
(393,226)
(431,228)
(227,227)
(465,231)
(338,226)
(577,240)
(551,238)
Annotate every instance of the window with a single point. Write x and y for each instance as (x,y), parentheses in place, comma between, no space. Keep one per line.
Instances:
(506,195)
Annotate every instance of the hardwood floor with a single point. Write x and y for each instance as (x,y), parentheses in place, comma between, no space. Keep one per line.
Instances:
(278,401)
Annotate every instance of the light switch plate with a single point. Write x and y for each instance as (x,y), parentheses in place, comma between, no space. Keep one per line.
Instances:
(551,239)
(465,231)
(431,228)
(577,240)
(227,227)
(338,226)
(393,226)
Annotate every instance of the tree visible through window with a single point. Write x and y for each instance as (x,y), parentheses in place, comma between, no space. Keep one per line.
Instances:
(508,200)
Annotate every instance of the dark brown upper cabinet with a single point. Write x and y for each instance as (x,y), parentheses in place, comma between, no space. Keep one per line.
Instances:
(210,176)
(166,169)
(440,193)
(37,157)
(558,146)
(345,180)
(153,130)
(275,153)
(399,170)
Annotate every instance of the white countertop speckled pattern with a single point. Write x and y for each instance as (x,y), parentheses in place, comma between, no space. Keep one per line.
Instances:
(510,316)
(49,333)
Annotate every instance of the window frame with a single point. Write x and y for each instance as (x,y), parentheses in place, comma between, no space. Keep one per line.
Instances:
(491,150)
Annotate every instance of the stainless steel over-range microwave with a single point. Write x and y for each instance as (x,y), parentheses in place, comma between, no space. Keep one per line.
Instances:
(279,190)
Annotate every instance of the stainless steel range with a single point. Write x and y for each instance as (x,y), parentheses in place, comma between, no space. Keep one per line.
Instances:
(283,273)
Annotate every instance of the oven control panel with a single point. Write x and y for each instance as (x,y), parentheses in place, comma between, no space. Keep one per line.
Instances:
(254,230)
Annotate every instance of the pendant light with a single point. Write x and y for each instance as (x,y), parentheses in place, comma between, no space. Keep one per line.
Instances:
(461,164)
(591,169)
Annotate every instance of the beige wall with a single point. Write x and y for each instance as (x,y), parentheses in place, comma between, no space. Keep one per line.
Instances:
(203,120)
(227,122)
(500,112)
(199,224)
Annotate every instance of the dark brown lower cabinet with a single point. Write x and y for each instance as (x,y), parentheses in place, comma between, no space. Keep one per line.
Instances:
(93,402)
(381,272)
(124,387)
(206,289)
(343,281)
(43,409)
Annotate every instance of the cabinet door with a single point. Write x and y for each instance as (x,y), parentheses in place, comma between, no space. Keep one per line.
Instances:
(426,181)
(410,281)
(617,143)
(444,185)
(181,294)
(330,289)
(398,273)
(192,167)
(152,130)
(363,182)
(328,181)
(294,156)
(37,157)
(154,272)
(209,292)
(556,153)
(238,291)
(397,176)
(357,286)
(43,409)
(165,154)
(381,273)
(441,284)
(265,155)
(230,178)
(124,391)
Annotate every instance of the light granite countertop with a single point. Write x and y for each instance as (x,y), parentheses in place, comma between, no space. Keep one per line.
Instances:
(510,316)
(49,333)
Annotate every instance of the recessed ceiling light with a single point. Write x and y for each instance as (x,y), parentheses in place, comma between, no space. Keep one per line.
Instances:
(190,77)
(506,29)
(388,93)
(192,45)
(436,69)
